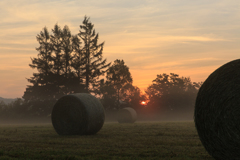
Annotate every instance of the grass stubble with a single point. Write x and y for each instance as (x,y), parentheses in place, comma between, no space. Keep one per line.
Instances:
(141,140)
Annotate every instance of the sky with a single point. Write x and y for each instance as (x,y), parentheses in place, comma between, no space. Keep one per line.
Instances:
(189,38)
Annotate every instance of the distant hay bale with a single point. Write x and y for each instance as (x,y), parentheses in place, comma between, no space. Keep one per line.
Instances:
(217,112)
(78,114)
(127,115)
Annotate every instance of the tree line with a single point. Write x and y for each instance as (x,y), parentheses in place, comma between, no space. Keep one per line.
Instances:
(68,63)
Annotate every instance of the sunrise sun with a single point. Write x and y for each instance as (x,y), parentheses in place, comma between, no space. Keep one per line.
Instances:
(143,103)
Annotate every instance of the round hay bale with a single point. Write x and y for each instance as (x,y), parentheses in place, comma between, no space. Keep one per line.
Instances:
(78,114)
(127,115)
(217,112)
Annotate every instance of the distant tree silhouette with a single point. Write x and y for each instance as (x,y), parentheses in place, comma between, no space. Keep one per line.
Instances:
(92,52)
(119,77)
(2,107)
(172,93)
(118,88)
(133,96)
(108,95)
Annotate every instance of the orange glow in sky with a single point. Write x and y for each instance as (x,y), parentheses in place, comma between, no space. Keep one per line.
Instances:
(191,39)
(143,103)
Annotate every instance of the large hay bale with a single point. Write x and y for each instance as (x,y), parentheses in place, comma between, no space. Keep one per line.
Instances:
(217,112)
(78,114)
(127,115)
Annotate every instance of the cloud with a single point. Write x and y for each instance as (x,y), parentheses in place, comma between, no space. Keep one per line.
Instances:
(191,38)
(183,63)
(151,36)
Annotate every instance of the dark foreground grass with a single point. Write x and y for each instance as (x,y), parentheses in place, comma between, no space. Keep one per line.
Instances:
(141,140)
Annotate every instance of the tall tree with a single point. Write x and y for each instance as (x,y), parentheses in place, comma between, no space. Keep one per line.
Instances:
(58,60)
(119,77)
(64,65)
(41,81)
(67,48)
(77,64)
(70,78)
(95,64)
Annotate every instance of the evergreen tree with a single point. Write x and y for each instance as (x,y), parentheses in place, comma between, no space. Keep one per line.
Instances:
(92,52)
(70,79)
(58,60)
(67,49)
(42,81)
(64,66)
(77,64)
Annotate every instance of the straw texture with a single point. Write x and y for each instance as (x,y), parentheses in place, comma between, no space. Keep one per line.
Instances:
(217,112)
(78,114)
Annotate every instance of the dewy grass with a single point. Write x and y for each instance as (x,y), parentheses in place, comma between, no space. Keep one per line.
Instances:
(141,140)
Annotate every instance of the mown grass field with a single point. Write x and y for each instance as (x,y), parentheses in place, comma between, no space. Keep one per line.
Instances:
(141,140)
